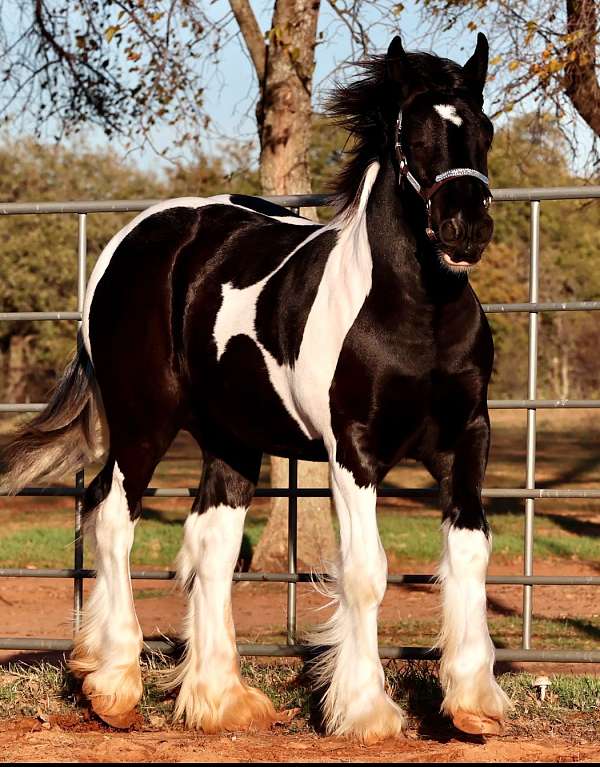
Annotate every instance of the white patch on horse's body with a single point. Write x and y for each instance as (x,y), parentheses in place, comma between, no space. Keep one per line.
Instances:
(448,112)
(237,316)
(179,202)
(355,701)
(466,669)
(304,387)
(212,695)
(108,646)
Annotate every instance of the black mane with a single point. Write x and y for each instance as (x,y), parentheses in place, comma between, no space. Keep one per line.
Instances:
(368,106)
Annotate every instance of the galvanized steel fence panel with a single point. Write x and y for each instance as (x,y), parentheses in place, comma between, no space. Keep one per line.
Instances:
(530,492)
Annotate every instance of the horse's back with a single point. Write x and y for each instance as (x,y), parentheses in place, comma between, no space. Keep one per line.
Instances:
(153,304)
(185,241)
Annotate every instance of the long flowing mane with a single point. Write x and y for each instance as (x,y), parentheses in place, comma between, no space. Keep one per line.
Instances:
(368,105)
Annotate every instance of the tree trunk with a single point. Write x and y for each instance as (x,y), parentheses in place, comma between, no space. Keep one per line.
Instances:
(284,109)
(284,67)
(16,368)
(316,539)
(581,79)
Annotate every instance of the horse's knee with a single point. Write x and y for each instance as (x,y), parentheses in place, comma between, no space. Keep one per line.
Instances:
(466,552)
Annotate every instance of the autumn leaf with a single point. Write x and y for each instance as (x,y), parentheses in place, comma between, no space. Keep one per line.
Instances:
(111,32)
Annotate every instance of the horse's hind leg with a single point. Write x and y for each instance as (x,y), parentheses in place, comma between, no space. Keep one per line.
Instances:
(212,695)
(107,648)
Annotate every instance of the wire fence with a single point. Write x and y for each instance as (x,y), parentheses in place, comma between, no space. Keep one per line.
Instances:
(530,493)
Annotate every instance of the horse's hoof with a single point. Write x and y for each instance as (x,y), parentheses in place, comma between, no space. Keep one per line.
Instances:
(119,721)
(477,724)
(114,697)
(239,708)
(382,721)
(285,717)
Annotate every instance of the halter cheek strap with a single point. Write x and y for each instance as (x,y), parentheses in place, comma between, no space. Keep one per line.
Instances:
(426,193)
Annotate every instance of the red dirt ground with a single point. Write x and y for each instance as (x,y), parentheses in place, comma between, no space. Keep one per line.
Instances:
(66,739)
(41,607)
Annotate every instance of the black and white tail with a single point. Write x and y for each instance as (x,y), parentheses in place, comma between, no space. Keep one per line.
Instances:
(64,437)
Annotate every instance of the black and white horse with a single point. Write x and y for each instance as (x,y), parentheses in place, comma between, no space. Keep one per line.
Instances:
(359,342)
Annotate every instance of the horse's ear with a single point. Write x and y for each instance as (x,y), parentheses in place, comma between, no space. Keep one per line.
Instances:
(398,68)
(476,67)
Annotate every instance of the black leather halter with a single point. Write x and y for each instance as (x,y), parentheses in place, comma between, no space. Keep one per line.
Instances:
(426,193)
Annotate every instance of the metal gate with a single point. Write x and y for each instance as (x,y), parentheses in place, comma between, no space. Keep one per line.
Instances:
(530,492)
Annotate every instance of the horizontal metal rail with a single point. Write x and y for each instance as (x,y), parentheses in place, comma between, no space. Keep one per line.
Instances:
(523,308)
(540,306)
(493,404)
(407,579)
(303,651)
(321,492)
(290,201)
(37,316)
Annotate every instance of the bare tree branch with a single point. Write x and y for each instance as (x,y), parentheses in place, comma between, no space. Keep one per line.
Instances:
(253,37)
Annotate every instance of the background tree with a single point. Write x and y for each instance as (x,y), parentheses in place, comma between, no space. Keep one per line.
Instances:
(523,151)
(544,56)
(38,255)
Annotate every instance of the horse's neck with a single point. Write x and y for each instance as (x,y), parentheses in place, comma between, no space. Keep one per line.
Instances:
(399,248)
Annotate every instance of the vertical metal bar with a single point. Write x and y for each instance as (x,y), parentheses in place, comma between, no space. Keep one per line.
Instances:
(292,549)
(534,279)
(80,477)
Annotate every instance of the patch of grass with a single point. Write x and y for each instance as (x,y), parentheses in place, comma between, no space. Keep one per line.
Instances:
(47,689)
(573,693)
(153,593)
(416,537)
(39,546)
(156,544)
(410,537)
(31,690)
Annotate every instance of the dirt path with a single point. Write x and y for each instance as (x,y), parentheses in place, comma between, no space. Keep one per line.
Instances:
(65,739)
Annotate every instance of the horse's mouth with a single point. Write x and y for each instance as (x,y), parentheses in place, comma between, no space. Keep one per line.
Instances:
(452,265)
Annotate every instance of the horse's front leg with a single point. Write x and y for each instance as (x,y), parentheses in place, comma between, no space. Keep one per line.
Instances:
(355,702)
(472,697)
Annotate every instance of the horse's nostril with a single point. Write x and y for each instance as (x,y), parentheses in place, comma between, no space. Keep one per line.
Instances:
(451,231)
(483,230)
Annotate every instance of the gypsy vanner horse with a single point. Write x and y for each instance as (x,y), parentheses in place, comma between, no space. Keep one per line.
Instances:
(359,342)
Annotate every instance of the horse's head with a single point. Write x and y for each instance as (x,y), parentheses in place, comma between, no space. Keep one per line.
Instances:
(440,142)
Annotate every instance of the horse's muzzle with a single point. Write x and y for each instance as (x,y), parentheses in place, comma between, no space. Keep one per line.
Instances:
(463,241)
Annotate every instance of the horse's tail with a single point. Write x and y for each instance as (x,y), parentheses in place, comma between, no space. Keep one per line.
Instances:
(64,437)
